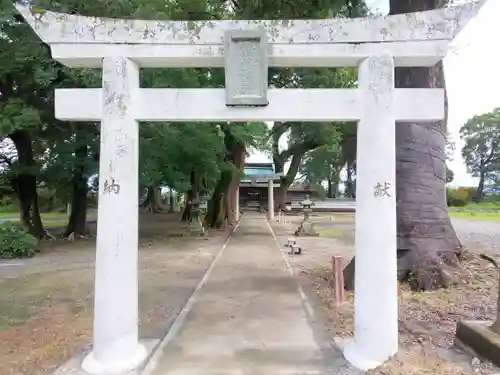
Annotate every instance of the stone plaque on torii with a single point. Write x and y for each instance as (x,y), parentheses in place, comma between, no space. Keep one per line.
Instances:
(121,47)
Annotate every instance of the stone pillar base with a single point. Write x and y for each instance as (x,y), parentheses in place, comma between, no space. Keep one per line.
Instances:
(84,359)
(196,228)
(306,228)
(360,360)
(94,367)
(478,337)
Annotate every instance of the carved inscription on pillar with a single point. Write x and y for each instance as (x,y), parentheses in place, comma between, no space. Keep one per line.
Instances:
(382,190)
(111,187)
(245,54)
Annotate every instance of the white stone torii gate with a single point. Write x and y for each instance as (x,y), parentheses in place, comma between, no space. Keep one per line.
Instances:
(270,192)
(122,47)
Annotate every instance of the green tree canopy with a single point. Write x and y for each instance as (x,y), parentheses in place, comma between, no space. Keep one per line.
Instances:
(481,151)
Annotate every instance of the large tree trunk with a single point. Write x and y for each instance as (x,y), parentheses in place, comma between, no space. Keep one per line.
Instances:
(336,183)
(427,242)
(238,159)
(218,209)
(77,225)
(348,159)
(286,181)
(350,187)
(27,184)
(192,194)
(329,193)
(171,202)
(152,201)
(221,205)
(480,187)
(186,213)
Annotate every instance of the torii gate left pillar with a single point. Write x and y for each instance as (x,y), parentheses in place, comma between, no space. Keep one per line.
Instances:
(116,287)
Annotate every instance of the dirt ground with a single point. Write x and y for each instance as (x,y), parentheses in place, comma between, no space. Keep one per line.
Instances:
(427,320)
(46,301)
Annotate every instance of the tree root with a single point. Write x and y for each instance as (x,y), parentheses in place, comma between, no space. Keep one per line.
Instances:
(48,235)
(151,207)
(76,236)
(428,271)
(489,259)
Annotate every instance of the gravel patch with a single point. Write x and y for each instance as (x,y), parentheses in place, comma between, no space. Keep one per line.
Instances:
(479,235)
(475,235)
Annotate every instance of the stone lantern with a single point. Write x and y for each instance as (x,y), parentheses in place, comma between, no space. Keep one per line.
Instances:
(199,209)
(306,227)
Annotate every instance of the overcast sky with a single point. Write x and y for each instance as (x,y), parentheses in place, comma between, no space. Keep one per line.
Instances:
(472,70)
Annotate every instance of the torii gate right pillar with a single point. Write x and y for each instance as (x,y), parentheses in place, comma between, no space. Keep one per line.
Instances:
(376,297)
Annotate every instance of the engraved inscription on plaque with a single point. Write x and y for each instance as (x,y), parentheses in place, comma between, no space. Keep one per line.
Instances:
(249,61)
(246,67)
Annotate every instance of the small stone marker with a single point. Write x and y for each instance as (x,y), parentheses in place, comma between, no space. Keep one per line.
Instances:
(295,250)
(338,279)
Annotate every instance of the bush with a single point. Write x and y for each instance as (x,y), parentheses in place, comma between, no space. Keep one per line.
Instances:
(16,242)
(7,204)
(457,197)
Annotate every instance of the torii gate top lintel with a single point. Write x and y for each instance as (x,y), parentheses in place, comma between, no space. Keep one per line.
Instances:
(431,30)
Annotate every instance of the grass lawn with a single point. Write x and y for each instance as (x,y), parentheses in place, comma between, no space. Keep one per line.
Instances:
(491,206)
(476,215)
(46,304)
(50,219)
(47,215)
(44,318)
(329,233)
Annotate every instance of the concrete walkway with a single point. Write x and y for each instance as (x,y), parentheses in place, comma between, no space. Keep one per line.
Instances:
(249,318)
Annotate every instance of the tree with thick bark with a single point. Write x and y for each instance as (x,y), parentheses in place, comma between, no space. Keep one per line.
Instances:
(302,138)
(77,224)
(428,247)
(26,181)
(237,138)
(152,202)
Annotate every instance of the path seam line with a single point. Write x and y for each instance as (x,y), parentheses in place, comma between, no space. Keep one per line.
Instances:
(291,272)
(305,299)
(181,318)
